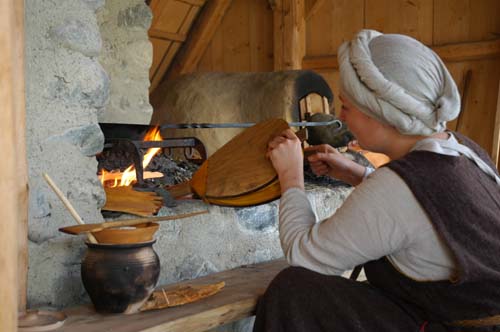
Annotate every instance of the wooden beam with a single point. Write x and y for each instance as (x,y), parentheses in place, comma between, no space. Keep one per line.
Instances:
(165,35)
(289,34)
(313,9)
(321,62)
(198,39)
(496,132)
(448,53)
(197,3)
(11,116)
(468,51)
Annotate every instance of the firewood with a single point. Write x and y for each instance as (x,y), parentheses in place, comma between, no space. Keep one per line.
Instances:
(180,295)
(126,199)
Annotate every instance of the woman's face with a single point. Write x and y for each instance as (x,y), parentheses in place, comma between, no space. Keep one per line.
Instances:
(366,129)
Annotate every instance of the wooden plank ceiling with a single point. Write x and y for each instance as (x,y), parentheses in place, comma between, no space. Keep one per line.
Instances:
(173,20)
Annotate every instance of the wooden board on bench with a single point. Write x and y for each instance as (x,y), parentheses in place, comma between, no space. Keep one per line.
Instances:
(237,300)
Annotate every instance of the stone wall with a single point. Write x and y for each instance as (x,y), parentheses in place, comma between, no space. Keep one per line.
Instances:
(126,56)
(68,91)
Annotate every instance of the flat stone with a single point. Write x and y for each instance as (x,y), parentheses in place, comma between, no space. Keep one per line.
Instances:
(85,84)
(78,36)
(39,206)
(261,218)
(137,16)
(89,139)
(94,4)
(193,267)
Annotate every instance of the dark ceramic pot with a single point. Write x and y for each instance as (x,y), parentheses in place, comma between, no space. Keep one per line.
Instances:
(119,278)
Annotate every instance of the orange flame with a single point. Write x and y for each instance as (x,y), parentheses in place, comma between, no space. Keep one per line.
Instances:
(128,176)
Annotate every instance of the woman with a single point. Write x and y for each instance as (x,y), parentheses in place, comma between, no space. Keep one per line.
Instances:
(426,226)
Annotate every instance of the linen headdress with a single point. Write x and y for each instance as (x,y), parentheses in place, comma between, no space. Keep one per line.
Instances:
(399,81)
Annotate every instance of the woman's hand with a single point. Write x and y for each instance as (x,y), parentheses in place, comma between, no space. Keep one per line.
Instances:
(285,152)
(328,161)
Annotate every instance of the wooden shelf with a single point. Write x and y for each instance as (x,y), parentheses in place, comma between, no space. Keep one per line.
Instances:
(237,300)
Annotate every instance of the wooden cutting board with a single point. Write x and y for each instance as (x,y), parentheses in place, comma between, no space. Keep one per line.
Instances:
(240,167)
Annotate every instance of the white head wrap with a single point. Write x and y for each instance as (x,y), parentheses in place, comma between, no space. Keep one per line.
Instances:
(399,81)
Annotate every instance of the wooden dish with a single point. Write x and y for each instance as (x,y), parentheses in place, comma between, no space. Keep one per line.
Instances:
(40,320)
(131,234)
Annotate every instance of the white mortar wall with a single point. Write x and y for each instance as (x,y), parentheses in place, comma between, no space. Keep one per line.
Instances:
(66,89)
(126,56)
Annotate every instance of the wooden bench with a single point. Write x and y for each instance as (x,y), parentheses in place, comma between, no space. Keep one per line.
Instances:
(237,300)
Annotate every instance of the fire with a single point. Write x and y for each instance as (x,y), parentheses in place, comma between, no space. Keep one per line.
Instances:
(128,176)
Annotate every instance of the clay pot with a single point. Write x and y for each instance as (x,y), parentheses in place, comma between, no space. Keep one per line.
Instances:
(119,278)
(132,234)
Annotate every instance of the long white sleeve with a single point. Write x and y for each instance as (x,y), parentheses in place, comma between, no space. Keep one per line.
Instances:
(380,218)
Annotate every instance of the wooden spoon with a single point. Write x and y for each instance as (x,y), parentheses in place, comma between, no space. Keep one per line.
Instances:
(87,228)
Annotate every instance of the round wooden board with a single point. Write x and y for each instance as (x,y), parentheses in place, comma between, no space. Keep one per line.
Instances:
(241,165)
(39,320)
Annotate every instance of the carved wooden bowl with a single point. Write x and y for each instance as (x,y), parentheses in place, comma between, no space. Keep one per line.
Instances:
(132,234)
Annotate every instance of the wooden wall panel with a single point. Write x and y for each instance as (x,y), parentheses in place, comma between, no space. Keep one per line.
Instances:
(478,117)
(465,20)
(261,45)
(413,18)
(334,22)
(243,41)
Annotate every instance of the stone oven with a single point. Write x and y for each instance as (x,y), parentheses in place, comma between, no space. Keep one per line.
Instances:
(87,63)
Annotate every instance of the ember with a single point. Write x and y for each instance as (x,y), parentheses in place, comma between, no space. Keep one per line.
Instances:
(128,176)
(159,167)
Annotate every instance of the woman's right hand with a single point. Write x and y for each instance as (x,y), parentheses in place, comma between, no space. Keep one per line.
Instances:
(326,160)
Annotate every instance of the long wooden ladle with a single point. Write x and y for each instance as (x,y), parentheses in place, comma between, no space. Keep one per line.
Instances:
(87,228)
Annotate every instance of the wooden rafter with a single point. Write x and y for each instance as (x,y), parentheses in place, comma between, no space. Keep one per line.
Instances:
(448,53)
(198,39)
(289,34)
(160,34)
(313,8)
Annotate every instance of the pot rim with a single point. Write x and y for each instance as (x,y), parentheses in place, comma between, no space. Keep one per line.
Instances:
(119,246)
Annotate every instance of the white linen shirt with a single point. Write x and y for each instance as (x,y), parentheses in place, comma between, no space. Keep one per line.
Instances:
(381,217)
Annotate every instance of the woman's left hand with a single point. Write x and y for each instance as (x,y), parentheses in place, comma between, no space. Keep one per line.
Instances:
(285,152)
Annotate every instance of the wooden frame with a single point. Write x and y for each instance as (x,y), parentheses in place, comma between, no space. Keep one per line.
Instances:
(13,187)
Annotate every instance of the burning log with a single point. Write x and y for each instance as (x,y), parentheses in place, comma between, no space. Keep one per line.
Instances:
(114,177)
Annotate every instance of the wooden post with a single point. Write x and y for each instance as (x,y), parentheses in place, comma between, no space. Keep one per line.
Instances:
(289,34)
(12,186)
(21,158)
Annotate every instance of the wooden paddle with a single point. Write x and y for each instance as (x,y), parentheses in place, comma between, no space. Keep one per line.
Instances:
(87,228)
(239,172)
